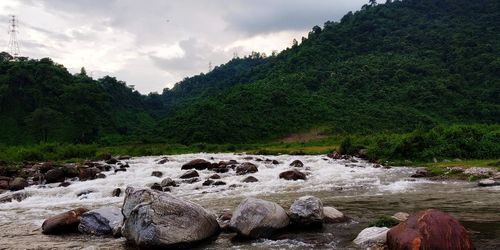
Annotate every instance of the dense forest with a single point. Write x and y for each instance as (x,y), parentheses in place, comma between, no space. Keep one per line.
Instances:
(393,67)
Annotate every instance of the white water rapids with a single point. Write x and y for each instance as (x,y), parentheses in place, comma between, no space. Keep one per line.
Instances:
(356,188)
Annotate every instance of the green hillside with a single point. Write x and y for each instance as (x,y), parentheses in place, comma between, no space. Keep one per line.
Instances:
(392,67)
(398,67)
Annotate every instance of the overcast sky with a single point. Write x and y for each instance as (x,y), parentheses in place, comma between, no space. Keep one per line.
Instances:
(153,44)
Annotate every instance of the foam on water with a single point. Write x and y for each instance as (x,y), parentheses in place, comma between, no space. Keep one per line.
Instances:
(322,174)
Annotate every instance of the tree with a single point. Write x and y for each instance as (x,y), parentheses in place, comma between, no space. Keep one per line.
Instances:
(42,121)
(372,2)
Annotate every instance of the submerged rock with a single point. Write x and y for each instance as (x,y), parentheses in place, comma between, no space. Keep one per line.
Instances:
(157,219)
(246,168)
(297,164)
(332,215)
(157,174)
(307,211)
(488,183)
(18,183)
(293,175)
(116,192)
(429,229)
(66,222)
(168,182)
(250,179)
(190,174)
(103,221)
(54,175)
(371,237)
(256,218)
(13,196)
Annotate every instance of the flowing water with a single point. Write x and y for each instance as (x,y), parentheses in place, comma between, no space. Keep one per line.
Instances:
(359,190)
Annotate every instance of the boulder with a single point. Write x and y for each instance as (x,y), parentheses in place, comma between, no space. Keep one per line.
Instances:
(4,182)
(168,182)
(307,211)
(191,180)
(190,174)
(155,219)
(334,155)
(250,179)
(163,160)
(100,176)
(421,173)
(488,183)
(297,164)
(256,218)
(66,222)
(157,174)
(400,216)
(102,221)
(111,161)
(198,164)
(293,175)
(124,157)
(156,186)
(332,215)
(116,192)
(88,173)
(17,183)
(246,168)
(214,176)
(64,184)
(207,183)
(429,229)
(371,236)
(13,196)
(70,170)
(219,183)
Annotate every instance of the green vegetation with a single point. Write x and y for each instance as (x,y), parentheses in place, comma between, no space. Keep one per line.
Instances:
(406,82)
(384,221)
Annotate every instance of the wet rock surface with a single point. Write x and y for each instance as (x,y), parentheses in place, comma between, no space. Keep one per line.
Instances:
(157,219)
(63,223)
(429,229)
(256,218)
(102,221)
(307,211)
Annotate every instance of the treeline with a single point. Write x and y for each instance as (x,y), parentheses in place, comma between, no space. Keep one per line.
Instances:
(40,101)
(393,68)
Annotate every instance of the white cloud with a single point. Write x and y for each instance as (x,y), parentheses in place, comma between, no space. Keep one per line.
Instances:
(153,44)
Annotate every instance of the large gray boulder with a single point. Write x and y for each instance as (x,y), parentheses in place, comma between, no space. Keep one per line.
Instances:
(157,219)
(307,211)
(102,221)
(256,218)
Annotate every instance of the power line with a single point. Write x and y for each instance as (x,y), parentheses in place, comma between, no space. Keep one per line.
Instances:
(13,43)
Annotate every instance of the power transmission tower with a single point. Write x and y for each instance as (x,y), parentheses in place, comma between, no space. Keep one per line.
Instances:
(209,66)
(13,43)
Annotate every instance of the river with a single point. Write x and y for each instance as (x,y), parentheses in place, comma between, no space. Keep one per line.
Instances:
(359,190)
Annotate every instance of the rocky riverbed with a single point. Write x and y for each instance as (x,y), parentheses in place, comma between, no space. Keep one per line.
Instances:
(361,190)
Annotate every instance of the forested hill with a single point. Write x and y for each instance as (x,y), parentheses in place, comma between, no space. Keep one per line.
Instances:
(397,66)
(42,102)
(389,67)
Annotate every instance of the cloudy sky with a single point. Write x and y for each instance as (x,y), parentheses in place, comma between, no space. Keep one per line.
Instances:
(153,44)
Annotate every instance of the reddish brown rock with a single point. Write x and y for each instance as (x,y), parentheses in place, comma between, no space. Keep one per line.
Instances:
(429,229)
(66,222)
